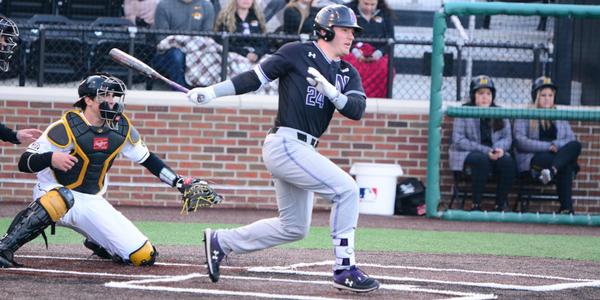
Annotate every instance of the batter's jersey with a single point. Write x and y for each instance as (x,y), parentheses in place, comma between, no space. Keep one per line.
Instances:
(95,148)
(301,106)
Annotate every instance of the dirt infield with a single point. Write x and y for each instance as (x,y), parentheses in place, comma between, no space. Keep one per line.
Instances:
(68,271)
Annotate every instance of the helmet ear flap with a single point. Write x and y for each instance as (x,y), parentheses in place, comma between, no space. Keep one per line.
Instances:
(325,33)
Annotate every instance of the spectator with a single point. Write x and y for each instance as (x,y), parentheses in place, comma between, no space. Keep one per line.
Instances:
(371,59)
(243,16)
(548,149)
(483,145)
(297,17)
(140,12)
(9,36)
(178,16)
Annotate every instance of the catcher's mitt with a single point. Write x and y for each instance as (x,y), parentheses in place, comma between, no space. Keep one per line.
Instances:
(196,193)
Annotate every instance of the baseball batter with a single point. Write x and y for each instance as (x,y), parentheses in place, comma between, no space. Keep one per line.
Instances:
(71,159)
(313,83)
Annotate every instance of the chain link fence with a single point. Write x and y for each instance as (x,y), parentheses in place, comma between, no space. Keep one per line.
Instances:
(61,55)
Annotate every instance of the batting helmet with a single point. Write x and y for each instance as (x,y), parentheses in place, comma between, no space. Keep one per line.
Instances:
(104,85)
(9,34)
(331,16)
(480,82)
(540,83)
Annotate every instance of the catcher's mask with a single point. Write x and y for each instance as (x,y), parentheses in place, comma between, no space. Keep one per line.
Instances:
(540,83)
(109,92)
(331,16)
(9,35)
(480,82)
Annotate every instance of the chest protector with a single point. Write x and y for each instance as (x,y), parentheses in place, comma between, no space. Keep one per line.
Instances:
(94,147)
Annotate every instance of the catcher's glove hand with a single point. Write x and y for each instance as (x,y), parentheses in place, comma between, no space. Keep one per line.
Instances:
(196,193)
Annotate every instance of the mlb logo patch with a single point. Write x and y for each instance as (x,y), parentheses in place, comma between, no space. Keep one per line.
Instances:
(368,194)
(100,143)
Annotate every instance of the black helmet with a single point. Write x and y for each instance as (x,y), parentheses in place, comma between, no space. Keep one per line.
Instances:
(334,15)
(104,85)
(10,32)
(479,82)
(540,83)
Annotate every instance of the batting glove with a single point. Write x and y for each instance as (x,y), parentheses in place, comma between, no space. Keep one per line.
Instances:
(326,88)
(201,95)
(321,84)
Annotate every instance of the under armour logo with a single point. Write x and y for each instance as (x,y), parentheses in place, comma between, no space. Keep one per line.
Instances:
(311,54)
(349,282)
(215,255)
(345,70)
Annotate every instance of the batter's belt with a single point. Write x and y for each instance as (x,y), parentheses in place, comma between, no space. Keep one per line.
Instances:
(295,134)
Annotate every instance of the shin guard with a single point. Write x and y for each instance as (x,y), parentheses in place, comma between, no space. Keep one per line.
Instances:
(32,221)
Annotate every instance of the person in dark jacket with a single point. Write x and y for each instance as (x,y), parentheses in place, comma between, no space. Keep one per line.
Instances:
(297,17)
(483,145)
(548,149)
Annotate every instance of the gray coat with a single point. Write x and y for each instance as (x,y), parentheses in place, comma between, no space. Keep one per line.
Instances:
(527,141)
(466,139)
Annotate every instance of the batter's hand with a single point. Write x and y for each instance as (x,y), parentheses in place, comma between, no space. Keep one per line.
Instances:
(63,161)
(201,95)
(28,136)
(322,85)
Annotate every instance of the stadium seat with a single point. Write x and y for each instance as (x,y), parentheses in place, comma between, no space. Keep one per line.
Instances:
(531,189)
(461,187)
(24,9)
(89,10)
(111,32)
(55,55)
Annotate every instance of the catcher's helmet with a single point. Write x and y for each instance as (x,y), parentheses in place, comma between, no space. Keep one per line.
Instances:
(331,16)
(9,34)
(480,82)
(540,83)
(104,85)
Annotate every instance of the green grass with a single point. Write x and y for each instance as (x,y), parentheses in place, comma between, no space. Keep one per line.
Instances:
(377,239)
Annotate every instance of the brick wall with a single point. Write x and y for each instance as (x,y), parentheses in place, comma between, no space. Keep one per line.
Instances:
(222,142)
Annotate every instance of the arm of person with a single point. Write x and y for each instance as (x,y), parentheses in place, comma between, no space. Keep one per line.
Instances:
(208,19)
(524,142)
(505,140)
(8,135)
(137,151)
(245,82)
(42,153)
(291,20)
(564,134)
(462,140)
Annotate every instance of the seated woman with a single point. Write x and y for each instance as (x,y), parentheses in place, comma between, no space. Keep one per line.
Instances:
(370,59)
(483,145)
(296,17)
(548,149)
(243,16)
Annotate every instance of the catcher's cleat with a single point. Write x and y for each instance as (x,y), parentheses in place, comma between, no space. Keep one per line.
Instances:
(355,280)
(6,262)
(97,249)
(214,254)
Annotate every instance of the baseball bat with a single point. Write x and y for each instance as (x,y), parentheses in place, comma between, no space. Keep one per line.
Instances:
(135,64)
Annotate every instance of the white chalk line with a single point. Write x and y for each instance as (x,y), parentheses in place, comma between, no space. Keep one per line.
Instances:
(331,262)
(395,287)
(292,269)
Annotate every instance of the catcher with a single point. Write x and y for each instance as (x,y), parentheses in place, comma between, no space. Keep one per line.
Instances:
(72,158)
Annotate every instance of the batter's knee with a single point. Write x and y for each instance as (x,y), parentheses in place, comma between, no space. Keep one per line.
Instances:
(144,256)
(57,202)
(296,233)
